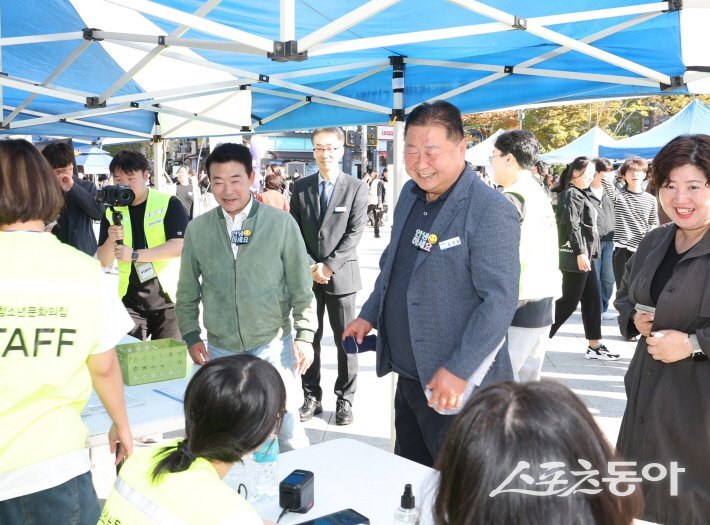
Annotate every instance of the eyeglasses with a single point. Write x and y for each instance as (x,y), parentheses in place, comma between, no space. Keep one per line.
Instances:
(490,159)
(63,171)
(321,151)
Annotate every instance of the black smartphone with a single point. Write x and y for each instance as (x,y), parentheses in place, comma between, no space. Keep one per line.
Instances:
(120,464)
(343,517)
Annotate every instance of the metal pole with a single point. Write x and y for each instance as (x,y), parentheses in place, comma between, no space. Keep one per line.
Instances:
(398,177)
(363,151)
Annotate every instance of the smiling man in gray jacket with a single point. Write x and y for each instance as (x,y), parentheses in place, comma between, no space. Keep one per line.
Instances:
(448,284)
(247,264)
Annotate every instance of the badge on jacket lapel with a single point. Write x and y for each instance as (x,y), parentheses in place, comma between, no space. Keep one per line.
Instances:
(424,240)
(241,236)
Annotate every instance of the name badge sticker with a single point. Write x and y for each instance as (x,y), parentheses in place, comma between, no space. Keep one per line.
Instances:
(424,240)
(145,271)
(340,209)
(449,243)
(241,236)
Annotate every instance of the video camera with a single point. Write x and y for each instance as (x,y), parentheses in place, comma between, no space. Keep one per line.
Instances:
(118,195)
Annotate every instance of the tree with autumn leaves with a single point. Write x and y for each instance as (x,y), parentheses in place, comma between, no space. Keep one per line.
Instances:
(556,126)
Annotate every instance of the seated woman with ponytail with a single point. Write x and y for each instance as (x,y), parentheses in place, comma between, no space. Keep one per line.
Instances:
(232,405)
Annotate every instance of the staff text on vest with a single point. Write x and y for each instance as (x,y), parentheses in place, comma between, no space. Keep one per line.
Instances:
(45,339)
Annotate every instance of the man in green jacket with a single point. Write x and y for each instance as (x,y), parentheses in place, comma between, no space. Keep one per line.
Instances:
(247,264)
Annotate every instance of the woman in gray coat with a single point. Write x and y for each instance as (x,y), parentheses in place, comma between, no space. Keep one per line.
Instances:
(667,418)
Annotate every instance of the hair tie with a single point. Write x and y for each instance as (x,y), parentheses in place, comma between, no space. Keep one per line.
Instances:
(186,451)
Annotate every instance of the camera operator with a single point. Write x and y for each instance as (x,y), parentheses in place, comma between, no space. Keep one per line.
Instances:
(148,255)
(74,226)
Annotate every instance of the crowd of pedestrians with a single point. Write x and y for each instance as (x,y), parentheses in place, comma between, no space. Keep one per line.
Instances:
(475,278)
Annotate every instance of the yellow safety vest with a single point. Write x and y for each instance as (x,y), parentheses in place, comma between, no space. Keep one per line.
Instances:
(195,496)
(155,209)
(50,308)
(539,265)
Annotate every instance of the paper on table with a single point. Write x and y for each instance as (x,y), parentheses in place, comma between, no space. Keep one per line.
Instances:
(94,406)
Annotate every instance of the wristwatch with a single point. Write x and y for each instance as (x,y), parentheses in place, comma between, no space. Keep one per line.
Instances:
(134,256)
(698,355)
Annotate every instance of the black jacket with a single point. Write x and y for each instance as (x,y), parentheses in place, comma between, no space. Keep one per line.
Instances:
(605,216)
(75,226)
(666,417)
(577,221)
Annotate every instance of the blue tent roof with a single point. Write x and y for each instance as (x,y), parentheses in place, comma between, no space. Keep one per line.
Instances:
(236,67)
(693,118)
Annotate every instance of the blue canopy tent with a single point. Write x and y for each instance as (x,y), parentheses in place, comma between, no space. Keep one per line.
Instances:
(694,118)
(586,145)
(142,69)
(300,64)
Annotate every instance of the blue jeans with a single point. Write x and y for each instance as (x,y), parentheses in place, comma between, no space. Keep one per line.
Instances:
(605,271)
(280,354)
(73,502)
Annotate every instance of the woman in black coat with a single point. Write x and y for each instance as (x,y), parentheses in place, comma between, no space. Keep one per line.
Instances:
(579,244)
(667,417)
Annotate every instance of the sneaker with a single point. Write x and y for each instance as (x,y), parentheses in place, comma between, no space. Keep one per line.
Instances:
(602,353)
(608,316)
(343,412)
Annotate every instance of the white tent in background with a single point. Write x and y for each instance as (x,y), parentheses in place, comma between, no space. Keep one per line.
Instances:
(479,155)
(585,146)
(93,159)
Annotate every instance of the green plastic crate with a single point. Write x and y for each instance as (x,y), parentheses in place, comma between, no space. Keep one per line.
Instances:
(150,361)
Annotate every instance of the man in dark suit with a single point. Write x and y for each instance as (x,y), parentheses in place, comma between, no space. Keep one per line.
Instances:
(448,284)
(75,225)
(330,208)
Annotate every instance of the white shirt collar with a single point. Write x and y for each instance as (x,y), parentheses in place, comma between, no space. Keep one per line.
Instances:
(332,179)
(239,217)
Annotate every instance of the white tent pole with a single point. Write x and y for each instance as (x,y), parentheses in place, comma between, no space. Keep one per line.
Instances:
(554,73)
(158,164)
(157,50)
(31,87)
(353,80)
(562,40)
(130,132)
(207,109)
(414,37)
(287,29)
(195,22)
(169,41)
(344,23)
(39,39)
(351,102)
(121,108)
(192,116)
(476,29)
(331,69)
(542,58)
(195,90)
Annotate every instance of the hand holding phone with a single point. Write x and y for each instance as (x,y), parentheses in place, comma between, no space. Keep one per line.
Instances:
(644,322)
(642,308)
